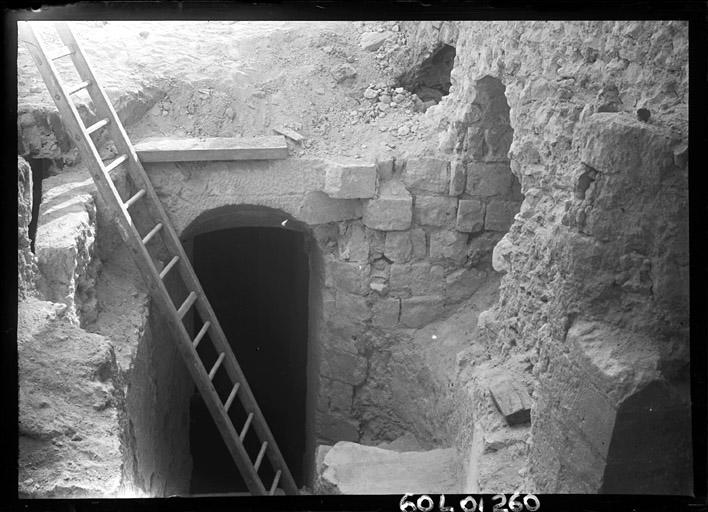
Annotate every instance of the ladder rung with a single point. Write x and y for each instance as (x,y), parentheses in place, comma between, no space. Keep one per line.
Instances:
(97,126)
(191,299)
(261,453)
(130,202)
(78,87)
(242,435)
(168,267)
(232,395)
(152,233)
(64,53)
(215,368)
(274,485)
(201,334)
(115,163)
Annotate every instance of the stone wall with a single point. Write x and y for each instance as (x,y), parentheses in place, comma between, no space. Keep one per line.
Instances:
(26,260)
(593,304)
(403,241)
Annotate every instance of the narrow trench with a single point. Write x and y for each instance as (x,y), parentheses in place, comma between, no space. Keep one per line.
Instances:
(40,170)
(257,282)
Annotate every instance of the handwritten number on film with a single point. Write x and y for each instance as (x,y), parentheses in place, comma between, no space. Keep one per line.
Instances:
(425,503)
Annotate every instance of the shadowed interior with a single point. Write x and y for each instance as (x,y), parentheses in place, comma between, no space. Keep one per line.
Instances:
(256,279)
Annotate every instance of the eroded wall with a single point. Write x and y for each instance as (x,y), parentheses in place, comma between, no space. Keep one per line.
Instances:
(593,304)
(402,242)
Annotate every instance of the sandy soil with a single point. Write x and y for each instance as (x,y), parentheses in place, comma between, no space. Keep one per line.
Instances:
(228,78)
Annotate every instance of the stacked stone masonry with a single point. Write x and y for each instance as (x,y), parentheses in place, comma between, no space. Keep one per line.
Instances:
(542,173)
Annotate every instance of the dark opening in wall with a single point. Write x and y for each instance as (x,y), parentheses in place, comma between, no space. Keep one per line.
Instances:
(431,80)
(256,279)
(40,170)
(639,460)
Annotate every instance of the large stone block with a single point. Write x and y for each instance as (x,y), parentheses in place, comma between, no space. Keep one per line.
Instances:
(488,179)
(420,244)
(336,428)
(470,216)
(500,214)
(343,366)
(318,208)
(391,211)
(435,210)
(417,278)
(448,245)
(498,140)
(419,311)
(511,399)
(398,246)
(427,175)
(350,181)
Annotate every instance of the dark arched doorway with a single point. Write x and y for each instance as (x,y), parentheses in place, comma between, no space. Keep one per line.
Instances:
(257,280)
(650,451)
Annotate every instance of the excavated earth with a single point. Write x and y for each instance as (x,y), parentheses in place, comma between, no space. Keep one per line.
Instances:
(544,239)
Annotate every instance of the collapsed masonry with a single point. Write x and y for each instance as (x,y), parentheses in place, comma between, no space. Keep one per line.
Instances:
(536,381)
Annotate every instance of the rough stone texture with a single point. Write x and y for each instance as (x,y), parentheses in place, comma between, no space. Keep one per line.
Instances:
(601,236)
(391,211)
(463,283)
(343,366)
(350,181)
(27,269)
(352,468)
(499,215)
(349,277)
(427,175)
(157,405)
(485,179)
(458,178)
(470,216)
(417,278)
(373,40)
(435,211)
(386,312)
(335,428)
(399,246)
(352,242)
(65,246)
(70,410)
(419,311)
(448,245)
(600,240)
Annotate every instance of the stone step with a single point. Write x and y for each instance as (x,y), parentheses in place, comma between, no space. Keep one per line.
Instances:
(351,468)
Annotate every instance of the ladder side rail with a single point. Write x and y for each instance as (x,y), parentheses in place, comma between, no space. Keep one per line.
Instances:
(143,259)
(71,118)
(117,131)
(105,109)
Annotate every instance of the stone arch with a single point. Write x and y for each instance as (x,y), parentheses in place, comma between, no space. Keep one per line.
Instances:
(255,225)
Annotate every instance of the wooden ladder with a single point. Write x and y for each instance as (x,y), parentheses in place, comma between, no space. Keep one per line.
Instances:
(146,197)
